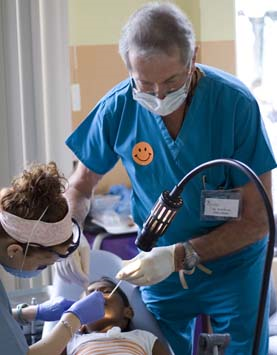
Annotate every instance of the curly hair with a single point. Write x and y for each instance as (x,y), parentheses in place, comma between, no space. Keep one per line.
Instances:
(39,186)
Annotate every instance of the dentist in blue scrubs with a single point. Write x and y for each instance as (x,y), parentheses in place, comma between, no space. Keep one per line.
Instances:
(36,229)
(169,116)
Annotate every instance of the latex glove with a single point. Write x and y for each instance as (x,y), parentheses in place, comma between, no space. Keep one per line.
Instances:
(90,308)
(149,268)
(53,309)
(75,268)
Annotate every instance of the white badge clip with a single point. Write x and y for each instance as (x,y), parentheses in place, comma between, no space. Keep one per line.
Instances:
(220,204)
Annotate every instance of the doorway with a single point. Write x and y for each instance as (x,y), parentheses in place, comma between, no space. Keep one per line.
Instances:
(256,47)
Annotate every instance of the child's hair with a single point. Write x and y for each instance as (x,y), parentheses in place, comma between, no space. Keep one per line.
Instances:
(36,188)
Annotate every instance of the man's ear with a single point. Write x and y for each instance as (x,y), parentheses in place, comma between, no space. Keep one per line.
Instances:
(128,312)
(14,250)
(195,55)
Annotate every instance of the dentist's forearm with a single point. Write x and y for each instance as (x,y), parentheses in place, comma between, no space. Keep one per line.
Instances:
(28,314)
(81,185)
(234,235)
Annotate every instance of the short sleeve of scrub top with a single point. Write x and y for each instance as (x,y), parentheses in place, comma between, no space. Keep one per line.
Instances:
(12,340)
(99,130)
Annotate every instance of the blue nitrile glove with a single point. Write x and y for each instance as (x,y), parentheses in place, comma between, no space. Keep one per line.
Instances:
(53,309)
(90,308)
(123,205)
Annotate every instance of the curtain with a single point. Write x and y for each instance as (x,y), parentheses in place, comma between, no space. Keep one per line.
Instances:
(35,108)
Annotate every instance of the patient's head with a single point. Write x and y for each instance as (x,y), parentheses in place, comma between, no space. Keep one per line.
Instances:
(118,311)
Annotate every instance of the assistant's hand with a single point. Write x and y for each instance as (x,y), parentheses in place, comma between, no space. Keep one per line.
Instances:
(90,308)
(53,309)
(149,268)
(75,268)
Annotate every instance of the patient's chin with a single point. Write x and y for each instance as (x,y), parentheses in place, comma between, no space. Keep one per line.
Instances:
(84,329)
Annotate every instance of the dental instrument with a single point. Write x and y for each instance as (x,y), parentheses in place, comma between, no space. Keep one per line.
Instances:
(115,288)
(33,324)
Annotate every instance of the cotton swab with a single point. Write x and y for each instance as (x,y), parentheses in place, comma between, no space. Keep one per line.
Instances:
(115,288)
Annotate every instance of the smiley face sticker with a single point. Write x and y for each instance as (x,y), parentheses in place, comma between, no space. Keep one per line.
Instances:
(142,153)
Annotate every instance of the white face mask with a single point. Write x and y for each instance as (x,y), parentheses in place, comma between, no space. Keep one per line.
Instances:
(166,106)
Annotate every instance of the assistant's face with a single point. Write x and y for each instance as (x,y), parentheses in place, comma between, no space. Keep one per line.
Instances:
(37,258)
(41,258)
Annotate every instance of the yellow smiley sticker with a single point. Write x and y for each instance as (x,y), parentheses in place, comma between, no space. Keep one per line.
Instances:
(143,153)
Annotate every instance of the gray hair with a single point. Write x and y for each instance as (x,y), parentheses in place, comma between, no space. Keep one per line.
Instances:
(157,28)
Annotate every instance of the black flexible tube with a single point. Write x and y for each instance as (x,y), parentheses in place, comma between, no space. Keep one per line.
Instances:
(271,241)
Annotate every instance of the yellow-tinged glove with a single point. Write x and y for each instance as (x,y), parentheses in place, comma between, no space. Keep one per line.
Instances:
(75,268)
(149,268)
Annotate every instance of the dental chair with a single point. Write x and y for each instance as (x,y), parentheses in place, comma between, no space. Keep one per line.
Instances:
(104,263)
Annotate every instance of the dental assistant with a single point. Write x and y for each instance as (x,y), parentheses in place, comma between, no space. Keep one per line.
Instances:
(171,115)
(36,229)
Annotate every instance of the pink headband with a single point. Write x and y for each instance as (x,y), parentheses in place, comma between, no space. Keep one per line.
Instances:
(43,233)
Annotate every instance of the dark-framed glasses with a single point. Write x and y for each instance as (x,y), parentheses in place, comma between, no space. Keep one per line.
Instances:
(170,85)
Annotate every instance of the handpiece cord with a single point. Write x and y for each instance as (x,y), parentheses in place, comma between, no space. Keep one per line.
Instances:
(271,240)
(168,205)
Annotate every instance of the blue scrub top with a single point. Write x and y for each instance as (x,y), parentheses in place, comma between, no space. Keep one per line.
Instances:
(223,121)
(12,339)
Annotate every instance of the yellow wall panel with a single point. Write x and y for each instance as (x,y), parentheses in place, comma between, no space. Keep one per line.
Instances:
(192,10)
(93,22)
(99,21)
(217,18)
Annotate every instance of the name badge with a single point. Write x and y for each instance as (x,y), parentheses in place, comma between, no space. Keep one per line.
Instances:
(220,204)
